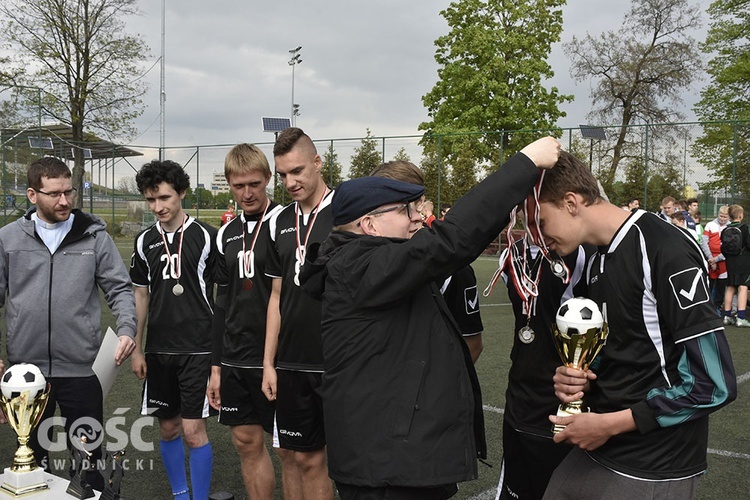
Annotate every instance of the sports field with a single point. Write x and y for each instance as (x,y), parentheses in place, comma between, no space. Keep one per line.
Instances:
(729,446)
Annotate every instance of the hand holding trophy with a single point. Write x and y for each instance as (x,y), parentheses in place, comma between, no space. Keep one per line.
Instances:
(580,333)
(24,397)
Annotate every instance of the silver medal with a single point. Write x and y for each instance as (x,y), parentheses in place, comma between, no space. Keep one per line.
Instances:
(177,290)
(526,335)
(558,268)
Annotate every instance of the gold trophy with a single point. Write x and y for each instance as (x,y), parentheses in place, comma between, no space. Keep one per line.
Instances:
(24,397)
(580,333)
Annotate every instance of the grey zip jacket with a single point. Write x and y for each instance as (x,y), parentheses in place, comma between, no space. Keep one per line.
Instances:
(52,306)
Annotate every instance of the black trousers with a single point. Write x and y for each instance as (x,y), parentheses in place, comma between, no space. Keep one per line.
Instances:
(81,405)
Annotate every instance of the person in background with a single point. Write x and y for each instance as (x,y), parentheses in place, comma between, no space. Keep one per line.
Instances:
(711,245)
(428,215)
(666,208)
(738,271)
(698,226)
(228,215)
(444,208)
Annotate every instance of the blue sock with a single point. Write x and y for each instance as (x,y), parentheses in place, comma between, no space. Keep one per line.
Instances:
(741,314)
(727,313)
(173,456)
(201,463)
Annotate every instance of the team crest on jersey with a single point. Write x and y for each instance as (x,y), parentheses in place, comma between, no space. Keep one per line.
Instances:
(471,299)
(689,287)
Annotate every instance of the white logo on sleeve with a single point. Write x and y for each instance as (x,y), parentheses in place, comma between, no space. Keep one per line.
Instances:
(689,287)
(471,297)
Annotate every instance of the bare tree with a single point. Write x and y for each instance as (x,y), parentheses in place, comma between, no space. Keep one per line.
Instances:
(78,53)
(638,72)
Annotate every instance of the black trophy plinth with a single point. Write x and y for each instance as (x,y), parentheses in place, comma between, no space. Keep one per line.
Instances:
(112,475)
(79,486)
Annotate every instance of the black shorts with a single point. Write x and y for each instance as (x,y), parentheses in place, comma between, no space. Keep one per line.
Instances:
(242,399)
(737,279)
(299,411)
(528,463)
(176,385)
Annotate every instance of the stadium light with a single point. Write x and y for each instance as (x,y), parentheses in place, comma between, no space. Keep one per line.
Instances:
(294,61)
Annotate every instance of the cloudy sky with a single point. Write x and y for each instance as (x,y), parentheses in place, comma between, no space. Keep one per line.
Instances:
(366,64)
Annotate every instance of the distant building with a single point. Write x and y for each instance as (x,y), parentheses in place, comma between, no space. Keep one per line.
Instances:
(219,184)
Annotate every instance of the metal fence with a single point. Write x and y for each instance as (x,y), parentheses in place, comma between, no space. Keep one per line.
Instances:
(656,160)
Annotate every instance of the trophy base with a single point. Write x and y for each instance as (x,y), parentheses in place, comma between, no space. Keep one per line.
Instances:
(566,410)
(17,484)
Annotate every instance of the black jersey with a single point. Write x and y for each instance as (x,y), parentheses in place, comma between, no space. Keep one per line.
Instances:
(530,397)
(666,357)
(462,297)
(177,324)
(299,339)
(248,287)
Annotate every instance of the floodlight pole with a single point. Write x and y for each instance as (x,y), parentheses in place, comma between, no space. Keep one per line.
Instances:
(162,91)
(294,61)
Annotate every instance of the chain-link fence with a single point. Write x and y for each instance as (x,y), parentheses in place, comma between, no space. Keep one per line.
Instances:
(644,161)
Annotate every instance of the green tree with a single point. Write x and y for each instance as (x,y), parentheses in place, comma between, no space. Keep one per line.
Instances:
(463,174)
(725,97)
(221,200)
(366,157)
(402,155)
(331,170)
(639,71)
(198,197)
(492,64)
(79,53)
(433,174)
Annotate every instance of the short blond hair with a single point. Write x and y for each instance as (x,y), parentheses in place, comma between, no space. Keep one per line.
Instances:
(245,158)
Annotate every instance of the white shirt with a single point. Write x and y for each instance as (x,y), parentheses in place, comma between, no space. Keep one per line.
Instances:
(52,234)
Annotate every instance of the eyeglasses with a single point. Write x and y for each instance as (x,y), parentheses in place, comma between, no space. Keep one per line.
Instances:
(393,208)
(55,195)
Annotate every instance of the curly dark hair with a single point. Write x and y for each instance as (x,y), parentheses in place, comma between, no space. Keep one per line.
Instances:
(155,172)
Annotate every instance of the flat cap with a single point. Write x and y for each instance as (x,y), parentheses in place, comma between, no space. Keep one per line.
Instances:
(360,196)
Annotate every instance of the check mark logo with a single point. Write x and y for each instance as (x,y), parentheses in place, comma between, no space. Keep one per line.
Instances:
(473,303)
(691,294)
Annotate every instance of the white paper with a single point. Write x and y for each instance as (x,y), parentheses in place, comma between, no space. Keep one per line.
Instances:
(104,365)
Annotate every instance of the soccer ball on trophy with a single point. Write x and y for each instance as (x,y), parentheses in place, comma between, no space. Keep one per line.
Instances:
(22,377)
(578,315)
(580,333)
(23,397)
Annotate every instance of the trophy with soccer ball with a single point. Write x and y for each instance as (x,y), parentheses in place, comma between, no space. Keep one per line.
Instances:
(24,397)
(580,333)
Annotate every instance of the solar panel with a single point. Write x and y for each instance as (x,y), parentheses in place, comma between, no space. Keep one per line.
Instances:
(592,132)
(40,143)
(275,124)
(86,153)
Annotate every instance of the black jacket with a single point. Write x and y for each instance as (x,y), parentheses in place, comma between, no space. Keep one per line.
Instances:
(401,398)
